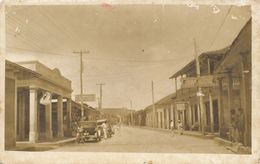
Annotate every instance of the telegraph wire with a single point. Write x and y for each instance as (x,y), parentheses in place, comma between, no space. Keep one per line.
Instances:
(220,27)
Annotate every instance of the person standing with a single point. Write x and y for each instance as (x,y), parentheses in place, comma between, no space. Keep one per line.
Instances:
(233,126)
(172,127)
(104,126)
(180,127)
(240,125)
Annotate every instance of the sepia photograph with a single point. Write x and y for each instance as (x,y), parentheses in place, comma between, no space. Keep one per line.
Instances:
(127,78)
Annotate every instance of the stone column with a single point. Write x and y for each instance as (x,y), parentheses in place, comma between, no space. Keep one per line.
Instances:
(198,113)
(163,120)
(211,113)
(33,133)
(60,116)
(48,120)
(190,115)
(176,118)
(193,115)
(183,120)
(159,119)
(167,118)
(69,116)
(172,113)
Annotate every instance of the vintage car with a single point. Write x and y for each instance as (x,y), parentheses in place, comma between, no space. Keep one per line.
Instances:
(88,130)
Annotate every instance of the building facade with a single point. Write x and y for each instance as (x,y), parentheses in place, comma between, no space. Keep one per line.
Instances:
(42,103)
(235,87)
(205,102)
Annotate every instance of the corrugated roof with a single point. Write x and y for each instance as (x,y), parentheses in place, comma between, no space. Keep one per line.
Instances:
(210,54)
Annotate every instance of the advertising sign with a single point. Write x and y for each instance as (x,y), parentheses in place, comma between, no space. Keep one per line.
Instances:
(180,106)
(85,98)
(203,81)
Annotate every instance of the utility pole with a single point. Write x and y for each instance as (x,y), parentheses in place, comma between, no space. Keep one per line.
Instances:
(154,112)
(100,96)
(81,52)
(201,104)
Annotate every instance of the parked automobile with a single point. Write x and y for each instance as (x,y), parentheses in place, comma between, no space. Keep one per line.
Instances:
(88,130)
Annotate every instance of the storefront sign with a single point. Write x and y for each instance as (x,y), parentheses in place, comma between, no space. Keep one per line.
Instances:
(85,97)
(203,81)
(188,82)
(206,81)
(180,106)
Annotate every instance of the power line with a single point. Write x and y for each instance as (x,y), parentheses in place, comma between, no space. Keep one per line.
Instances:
(222,23)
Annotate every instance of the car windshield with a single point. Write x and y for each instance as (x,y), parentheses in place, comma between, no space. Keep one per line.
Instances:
(88,124)
(100,122)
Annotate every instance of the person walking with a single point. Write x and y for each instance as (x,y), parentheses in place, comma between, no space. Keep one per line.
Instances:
(172,127)
(180,127)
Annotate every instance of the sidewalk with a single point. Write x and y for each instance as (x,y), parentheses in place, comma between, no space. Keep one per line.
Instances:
(234,147)
(190,133)
(41,146)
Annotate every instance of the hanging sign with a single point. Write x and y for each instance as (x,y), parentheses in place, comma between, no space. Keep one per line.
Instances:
(200,94)
(46,98)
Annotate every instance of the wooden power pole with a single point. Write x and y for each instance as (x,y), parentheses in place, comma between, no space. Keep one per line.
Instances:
(154,112)
(81,52)
(199,93)
(100,96)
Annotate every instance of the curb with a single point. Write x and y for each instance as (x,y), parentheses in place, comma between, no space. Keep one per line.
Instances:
(223,141)
(236,148)
(41,146)
(58,143)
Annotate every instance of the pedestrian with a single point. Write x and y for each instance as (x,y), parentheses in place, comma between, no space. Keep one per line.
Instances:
(172,127)
(240,125)
(180,127)
(233,126)
(104,126)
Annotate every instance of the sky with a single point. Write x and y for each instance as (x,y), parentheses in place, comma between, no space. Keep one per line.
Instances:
(129,45)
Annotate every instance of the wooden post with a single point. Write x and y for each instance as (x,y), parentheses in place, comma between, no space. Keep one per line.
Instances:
(211,113)
(2,75)
(201,103)
(154,110)
(230,99)
(246,99)
(210,103)
(220,104)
